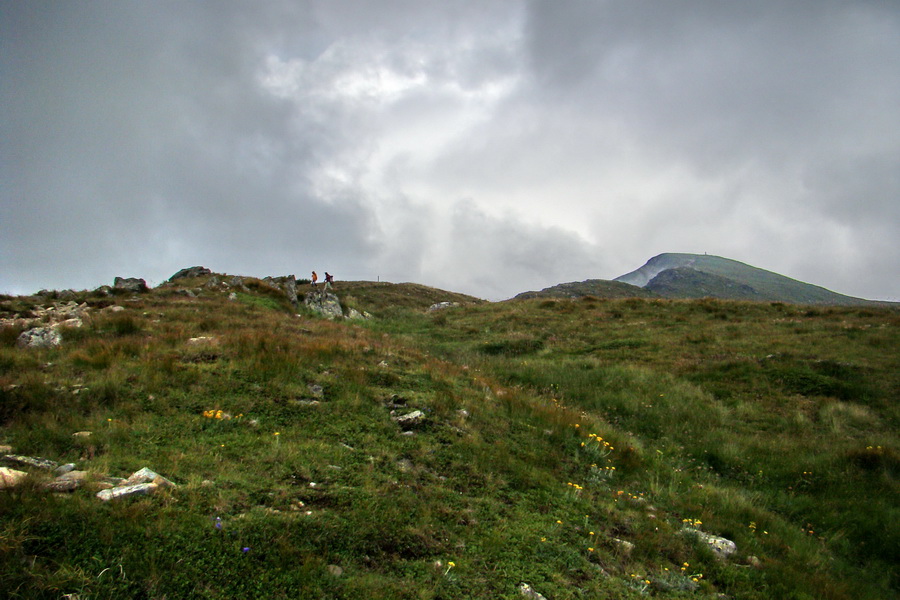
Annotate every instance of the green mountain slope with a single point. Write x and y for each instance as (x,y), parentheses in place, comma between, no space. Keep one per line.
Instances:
(599,288)
(685,282)
(741,279)
(585,448)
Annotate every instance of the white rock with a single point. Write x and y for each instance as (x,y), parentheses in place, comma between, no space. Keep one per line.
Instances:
(721,547)
(410,420)
(146,475)
(10,478)
(527,591)
(39,337)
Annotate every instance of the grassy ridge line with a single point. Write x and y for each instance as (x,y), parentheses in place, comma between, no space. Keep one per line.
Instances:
(506,490)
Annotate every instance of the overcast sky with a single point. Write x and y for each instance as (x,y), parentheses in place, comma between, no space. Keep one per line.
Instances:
(487,147)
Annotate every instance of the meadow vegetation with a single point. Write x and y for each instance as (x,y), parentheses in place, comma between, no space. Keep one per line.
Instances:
(568,444)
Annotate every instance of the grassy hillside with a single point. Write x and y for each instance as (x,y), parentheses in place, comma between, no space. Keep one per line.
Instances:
(734,275)
(570,445)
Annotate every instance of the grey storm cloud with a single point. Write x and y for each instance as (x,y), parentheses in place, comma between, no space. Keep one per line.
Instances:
(487,148)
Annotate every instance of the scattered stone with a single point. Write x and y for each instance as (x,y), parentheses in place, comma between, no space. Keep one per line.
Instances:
(30,461)
(39,337)
(238,282)
(146,475)
(75,323)
(103,290)
(753,561)
(232,296)
(355,315)
(463,413)
(126,491)
(63,469)
(316,390)
(61,485)
(10,478)
(6,449)
(190,272)
(721,547)
(335,570)
(79,476)
(395,401)
(130,284)
(529,592)
(203,340)
(82,434)
(410,420)
(442,305)
(624,546)
(113,309)
(404,465)
(305,402)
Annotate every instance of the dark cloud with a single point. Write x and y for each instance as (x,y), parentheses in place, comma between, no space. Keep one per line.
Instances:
(585,137)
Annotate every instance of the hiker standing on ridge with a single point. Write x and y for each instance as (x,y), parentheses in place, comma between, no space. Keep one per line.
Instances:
(329,281)
(314,279)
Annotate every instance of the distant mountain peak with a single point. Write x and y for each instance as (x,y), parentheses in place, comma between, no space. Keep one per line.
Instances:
(678,275)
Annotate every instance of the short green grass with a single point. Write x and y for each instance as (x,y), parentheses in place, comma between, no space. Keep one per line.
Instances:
(554,432)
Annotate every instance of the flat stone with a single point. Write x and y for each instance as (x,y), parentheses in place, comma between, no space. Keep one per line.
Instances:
(82,434)
(126,491)
(30,461)
(63,469)
(410,420)
(62,484)
(625,546)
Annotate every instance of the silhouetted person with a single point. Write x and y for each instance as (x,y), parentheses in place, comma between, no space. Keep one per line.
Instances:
(314,279)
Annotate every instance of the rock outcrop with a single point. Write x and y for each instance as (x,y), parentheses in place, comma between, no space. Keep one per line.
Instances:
(130,284)
(39,337)
(324,304)
(189,273)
